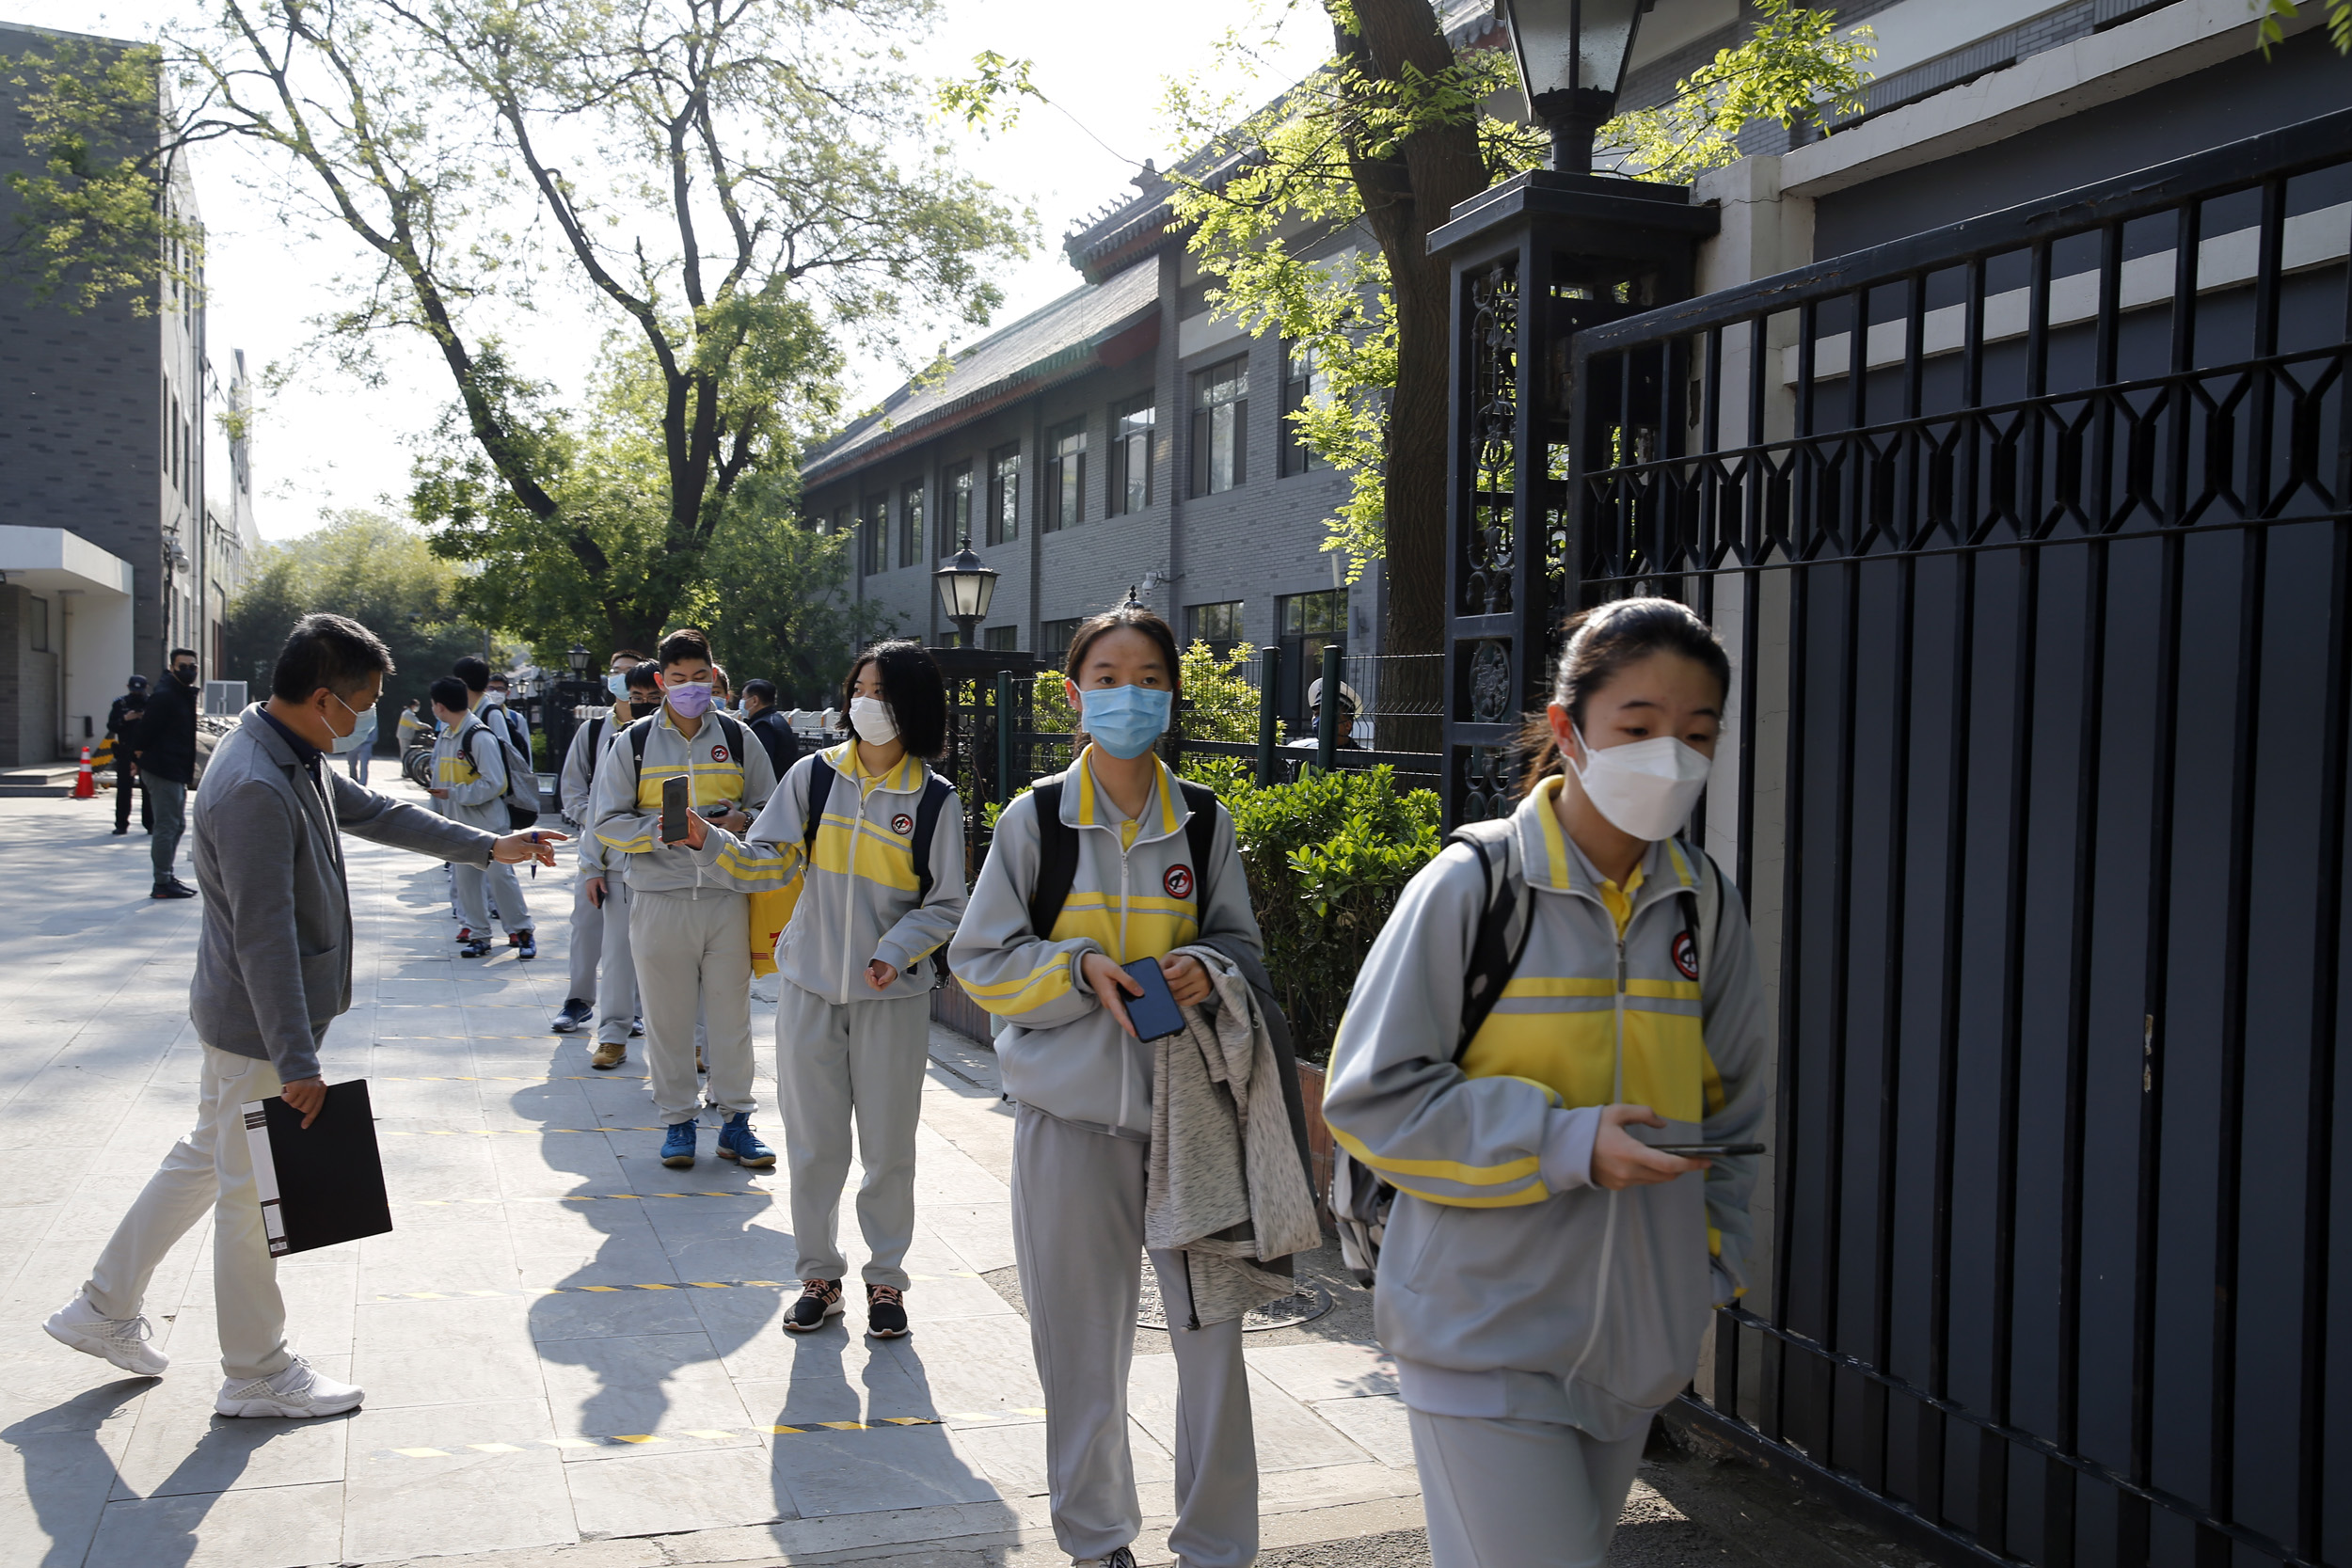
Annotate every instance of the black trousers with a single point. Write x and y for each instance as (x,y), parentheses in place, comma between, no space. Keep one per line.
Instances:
(127,781)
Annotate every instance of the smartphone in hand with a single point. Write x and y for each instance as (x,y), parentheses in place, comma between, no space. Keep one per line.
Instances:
(1708,1152)
(1155,1012)
(677,796)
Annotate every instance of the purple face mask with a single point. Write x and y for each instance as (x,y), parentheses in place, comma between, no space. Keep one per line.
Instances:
(691,699)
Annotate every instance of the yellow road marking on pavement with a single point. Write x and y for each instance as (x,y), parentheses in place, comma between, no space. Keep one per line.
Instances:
(614,1290)
(707,1435)
(586,1197)
(508,1132)
(508,1077)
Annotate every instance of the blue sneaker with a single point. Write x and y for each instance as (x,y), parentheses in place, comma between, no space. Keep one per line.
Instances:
(677,1148)
(737,1142)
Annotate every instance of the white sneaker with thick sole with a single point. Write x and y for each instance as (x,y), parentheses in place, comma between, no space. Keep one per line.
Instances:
(296,1391)
(121,1340)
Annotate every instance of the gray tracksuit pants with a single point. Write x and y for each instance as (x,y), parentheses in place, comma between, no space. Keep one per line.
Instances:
(616,998)
(694,948)
(1507,1494)
(505,890)
(587,941)
(1078,1234)
(838,1062)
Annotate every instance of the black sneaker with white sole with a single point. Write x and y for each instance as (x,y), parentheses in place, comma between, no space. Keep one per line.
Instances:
(574,1016)
(886,1312)
(819,1299)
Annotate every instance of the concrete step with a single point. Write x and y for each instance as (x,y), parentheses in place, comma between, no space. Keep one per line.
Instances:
(50,782)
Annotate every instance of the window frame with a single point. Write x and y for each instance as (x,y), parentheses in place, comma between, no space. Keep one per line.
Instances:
(1298,391)
(1055,637)
(911,545)
(873,534)
(1227,415)
(1231,616)
(1004,494)
(1003,640)
(1125,435)
(1065,475)
(959,496)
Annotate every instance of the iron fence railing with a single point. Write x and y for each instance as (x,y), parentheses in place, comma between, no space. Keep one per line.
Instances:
(2033,539)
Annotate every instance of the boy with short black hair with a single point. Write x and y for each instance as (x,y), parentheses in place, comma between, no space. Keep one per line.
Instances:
(469,781)
(689,929)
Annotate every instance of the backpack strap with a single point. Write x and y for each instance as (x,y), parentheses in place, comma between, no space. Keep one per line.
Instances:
(935,793)
(1200,836)
(820,788)
(1056,857)
(1504,922)
(595,740)
(1710,907)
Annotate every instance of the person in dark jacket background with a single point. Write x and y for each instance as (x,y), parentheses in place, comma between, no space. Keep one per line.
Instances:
(767,722)
(163,744)
(121,722)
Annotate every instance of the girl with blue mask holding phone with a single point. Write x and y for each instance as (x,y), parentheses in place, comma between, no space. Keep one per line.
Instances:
(1114,861)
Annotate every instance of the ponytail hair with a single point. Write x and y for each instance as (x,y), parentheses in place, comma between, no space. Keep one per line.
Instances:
(1600,642)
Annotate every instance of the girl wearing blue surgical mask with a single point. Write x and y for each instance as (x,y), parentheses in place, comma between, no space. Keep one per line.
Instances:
(1115,863)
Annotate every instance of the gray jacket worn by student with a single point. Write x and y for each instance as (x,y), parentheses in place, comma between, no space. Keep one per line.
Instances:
(1509,1285)
(576,786)
(469,762)
(273,964)
(857,898)
(1063,1052)
(625,806)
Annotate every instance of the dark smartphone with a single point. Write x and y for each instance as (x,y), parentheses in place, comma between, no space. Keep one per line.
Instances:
(1708,1152)
(1155,1013)
(676,795)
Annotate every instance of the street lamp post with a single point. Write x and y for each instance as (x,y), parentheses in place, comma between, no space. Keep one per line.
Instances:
(966,584)
(577,658)
(1535,260)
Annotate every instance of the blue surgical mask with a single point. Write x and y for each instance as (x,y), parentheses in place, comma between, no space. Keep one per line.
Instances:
(617,683)
(1124,720)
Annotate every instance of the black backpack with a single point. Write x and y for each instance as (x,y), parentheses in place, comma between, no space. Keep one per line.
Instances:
(936,793)
(1361,1197)
(1058,849)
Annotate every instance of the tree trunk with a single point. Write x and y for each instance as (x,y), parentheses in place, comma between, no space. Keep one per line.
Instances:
(1405,194)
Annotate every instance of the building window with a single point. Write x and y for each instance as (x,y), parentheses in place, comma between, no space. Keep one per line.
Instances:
(37,624)
(1310,623)
(1054,639)
(910,525)
(1221,427)
(1217,624)
(959,504)
(1131,455)
(873,543)
(1004,639)
(1303,382)
(1004,494)
(1065,474)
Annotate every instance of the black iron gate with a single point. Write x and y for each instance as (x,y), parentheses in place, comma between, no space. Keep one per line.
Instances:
(2033,539)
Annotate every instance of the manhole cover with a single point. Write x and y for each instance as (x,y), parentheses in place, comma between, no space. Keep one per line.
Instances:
(1309,1302)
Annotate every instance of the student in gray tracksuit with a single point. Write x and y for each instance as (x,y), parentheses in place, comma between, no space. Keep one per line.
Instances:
(1083,1086)
(603,984)
(857,965)
(689,926)
(1546,1277)
(469,784)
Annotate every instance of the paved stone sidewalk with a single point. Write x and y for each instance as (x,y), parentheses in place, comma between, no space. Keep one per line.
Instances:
(562,1342)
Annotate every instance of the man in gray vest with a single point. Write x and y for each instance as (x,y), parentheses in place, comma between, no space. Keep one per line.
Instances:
(273,970)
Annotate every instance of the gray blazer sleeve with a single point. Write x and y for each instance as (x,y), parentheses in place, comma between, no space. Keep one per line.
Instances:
(255,829)
(384,820)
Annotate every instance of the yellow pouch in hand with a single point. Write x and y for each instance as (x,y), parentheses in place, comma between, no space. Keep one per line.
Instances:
(771,913)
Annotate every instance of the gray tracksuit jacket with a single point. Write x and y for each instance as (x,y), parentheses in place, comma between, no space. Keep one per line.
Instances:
(576,784)
(1509,1285)
(273,960)
(857,899)
(469,763)
(625,805)
(1063,1054)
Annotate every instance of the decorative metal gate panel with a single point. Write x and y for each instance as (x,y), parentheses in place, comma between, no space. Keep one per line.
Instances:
(2032,537)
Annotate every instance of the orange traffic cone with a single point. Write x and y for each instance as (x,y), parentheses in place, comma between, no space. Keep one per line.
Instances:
(85,788)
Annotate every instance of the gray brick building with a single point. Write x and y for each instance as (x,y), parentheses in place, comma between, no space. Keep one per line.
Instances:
(105,554)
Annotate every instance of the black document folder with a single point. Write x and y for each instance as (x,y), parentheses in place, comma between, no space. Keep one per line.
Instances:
(323,1184)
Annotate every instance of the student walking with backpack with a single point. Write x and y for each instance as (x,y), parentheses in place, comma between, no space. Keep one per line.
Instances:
(689,924)
(873,841)
(1113,862)
(1554,994)
(473,776)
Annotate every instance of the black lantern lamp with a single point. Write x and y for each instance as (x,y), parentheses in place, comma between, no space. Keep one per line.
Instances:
(577,658)
(966,584)
(1572,55)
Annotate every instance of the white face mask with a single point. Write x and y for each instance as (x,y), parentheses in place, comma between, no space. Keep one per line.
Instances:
(342,744)
(872,719)
(1647,787)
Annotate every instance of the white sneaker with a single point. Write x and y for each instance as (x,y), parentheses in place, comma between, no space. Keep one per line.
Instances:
(121,1340)
(296,1391)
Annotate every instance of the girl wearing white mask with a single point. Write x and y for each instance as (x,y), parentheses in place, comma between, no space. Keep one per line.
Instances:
(875,840)
(1547,1270)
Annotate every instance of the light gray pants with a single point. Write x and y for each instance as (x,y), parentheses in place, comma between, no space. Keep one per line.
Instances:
(587,939)
(616,996)
(210,1167)
(693,950)
(1503,1494)
(507,891)
(1078,1234)
(835,1063)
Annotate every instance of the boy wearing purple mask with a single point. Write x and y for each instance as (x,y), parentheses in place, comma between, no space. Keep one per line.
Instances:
(689,930)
